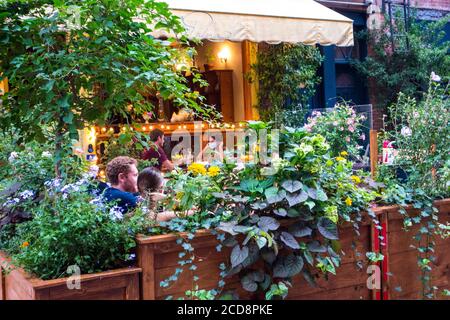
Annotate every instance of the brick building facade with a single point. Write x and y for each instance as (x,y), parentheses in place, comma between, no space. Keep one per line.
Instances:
(339,78)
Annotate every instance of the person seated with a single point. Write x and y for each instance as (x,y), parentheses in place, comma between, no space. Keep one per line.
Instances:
(150,184)
(122,174)
(158,153)
(213,151)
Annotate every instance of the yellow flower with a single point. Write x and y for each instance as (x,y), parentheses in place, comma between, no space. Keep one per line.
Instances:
(213,171)
(25,244)
(340,159)
(348,201)
(344,153)
(197,168)
(356,179)
(179,195)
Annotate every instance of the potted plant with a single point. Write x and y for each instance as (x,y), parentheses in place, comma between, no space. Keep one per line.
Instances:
(267,228)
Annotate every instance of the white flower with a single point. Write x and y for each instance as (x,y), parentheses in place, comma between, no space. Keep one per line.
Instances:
(435,77)
(132,257)
(27,194)
(71,188)
(116,213)
(46,154)
(13,156)
(92,173)
(11,202)
(53,184)
(406,132)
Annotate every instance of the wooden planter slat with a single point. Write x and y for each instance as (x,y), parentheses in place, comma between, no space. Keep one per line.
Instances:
(158,258)
(120,284)
(401,258)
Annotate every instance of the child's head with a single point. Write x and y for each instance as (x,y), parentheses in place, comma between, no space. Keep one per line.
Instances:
(150,180)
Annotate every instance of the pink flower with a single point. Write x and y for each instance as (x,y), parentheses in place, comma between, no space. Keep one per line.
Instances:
(350,121)
(351,129)
(347,139)
(435,77)
(363,137)
(341,128)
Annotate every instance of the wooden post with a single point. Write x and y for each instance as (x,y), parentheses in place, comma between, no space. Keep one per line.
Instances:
(373,152)
(146,261)
(3,86)
(249,50)
(433,170)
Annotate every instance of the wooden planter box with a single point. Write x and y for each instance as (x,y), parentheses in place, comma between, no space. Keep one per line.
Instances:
(120,284)
(158,258)
(401,258)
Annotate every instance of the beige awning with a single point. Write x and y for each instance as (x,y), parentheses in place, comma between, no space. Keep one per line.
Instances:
(272,21)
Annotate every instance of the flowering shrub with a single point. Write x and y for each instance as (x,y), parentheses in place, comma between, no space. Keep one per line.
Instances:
(289,213)
(342,128)
(420,131)
(70,228)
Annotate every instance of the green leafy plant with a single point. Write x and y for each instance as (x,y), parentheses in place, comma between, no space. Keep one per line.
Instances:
(403,61)
(131,144)
(420,130)
(89,61)
(69,228)
(289,218)
(287,77)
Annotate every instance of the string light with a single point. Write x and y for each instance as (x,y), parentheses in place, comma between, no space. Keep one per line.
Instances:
(103,129)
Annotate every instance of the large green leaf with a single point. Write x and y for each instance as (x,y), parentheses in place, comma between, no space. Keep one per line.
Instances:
(238,255)
(289,240)
(296,198)
(327,228)
(268,223)
(300,230)
(274,195)
(287,267)
(292,185)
